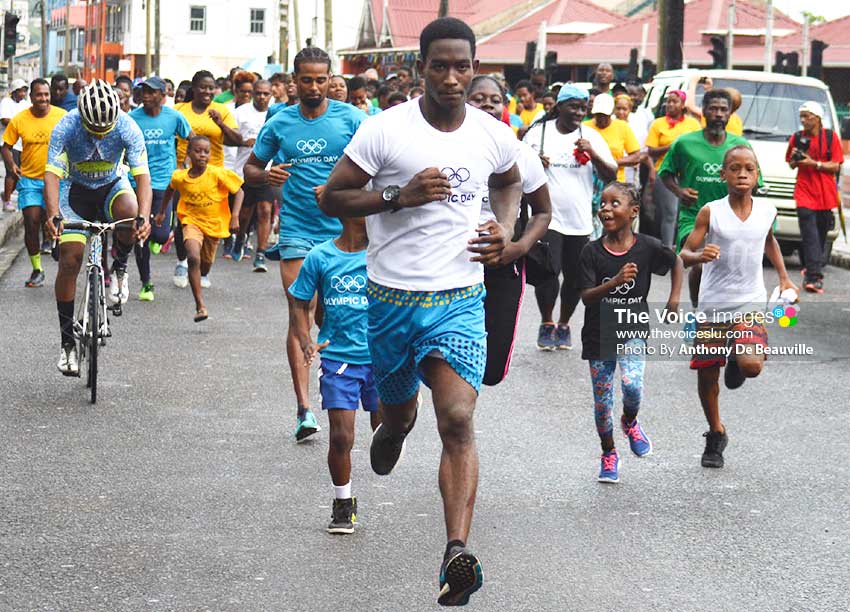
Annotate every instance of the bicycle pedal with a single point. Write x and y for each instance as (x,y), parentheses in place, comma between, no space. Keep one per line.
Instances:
(116,310)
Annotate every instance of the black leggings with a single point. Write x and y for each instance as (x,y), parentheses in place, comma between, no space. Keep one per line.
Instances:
(158,234)
(505,288)
(547,292)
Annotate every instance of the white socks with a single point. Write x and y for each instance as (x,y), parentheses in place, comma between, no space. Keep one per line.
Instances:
(343,492)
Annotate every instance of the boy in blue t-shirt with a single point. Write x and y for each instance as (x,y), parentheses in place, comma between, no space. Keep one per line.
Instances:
(336,269)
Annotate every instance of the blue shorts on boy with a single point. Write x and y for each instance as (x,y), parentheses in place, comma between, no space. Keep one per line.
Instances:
(30,192)
(345,386)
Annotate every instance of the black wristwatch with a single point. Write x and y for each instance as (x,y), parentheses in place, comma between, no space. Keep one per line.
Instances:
(390,195)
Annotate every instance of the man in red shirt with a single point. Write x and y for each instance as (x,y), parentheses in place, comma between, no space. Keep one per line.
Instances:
(817,156)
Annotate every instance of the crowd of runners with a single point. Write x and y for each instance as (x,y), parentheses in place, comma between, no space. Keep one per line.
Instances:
(407,215)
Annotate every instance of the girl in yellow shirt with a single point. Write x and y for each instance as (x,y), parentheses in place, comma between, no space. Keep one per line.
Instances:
(203,212)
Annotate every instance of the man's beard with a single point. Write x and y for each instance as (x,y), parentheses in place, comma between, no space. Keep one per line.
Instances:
(312,102)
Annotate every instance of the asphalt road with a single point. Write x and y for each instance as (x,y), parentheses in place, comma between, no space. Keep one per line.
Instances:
(182,488)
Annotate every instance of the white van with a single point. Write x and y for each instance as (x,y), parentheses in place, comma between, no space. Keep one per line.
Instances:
(770,113)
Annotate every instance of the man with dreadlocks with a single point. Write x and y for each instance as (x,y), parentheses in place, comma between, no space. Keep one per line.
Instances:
(303,141)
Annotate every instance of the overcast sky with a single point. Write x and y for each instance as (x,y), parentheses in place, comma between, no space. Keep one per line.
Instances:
(347,15)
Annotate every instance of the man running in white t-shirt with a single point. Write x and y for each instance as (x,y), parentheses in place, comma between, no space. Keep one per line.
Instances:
(431,160)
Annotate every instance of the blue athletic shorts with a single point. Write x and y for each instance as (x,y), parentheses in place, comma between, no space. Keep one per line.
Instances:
(405,327)
(79,203)
(292,248)
(346,386)
(30,192)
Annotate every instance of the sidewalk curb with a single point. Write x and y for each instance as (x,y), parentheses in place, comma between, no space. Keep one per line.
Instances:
(11,227)
(840,259)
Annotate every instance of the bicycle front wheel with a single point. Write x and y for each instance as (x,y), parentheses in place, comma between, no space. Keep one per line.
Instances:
(93,337)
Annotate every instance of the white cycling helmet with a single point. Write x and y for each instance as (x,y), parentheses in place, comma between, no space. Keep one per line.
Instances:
(99,105)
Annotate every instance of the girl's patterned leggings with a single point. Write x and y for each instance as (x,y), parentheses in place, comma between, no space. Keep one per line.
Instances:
(632,365)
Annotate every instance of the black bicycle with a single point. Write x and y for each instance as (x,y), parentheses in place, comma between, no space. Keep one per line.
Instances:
(91,325)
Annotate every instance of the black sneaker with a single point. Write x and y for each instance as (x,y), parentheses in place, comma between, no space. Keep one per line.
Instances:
(732,375)
(387,449)
(343,516)
(460,577)
(36,279)
(715,443)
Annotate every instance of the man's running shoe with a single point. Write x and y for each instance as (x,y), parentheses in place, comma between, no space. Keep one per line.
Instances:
(732,375)
(155,248)
(460,577)
(306,426)
(639,442)
(609,470)
(165,247)
(181,276)
(260,263)
(119,291)
(205,282)
(69,363)
(36,279)
(809,286)
(563,338)
(343,516)
(715,444)
(9,207)
(546,337)
(46,246)
(818,286)
(387,449)
(238,250)
(146,294)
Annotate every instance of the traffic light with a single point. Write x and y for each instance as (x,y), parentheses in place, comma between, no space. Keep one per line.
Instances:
(816,65)
(718,52)
(792,63)
(530,52)
(648,70)
(10,34)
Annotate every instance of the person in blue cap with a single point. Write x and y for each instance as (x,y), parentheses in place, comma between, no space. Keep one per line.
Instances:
(571,156)
(160,125)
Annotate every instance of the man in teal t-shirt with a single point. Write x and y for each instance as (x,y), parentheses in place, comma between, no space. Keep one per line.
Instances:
(691,169)
(303,142)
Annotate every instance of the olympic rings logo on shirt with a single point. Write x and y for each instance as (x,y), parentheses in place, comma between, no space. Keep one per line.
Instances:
(311,146)
(710,168)
(347,283)
(153,133)
(456,177)
(621,289)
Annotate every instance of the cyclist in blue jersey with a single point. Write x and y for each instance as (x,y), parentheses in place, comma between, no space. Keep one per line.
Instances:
(89,146)
(303,142)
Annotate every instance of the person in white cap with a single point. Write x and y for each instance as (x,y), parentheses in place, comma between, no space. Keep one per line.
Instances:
(816,154)
(10,106)
(617,133)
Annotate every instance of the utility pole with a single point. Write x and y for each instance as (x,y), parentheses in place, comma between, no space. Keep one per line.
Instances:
(147,38)
(10,63)
(283,35)
(297,24)
(444,8)
(730,34)
(805,54)
(768,39)
(43,7)
(329,31)
(67,37)
(671,30)
(156,39)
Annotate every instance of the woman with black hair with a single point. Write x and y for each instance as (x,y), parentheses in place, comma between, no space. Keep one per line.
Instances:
(505,283)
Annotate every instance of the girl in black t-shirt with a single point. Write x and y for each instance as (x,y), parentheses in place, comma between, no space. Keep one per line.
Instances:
(616,271)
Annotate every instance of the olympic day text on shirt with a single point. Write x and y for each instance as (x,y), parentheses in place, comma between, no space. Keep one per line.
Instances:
(424,248)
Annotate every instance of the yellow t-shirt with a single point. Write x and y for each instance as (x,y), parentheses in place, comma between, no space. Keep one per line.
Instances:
(34,133)
(620,138)
(735,125)
(203,199)
(528,116)
(662,135)
(203,125)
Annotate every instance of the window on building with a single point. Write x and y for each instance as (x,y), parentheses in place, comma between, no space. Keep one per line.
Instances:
(114,23)
(198,19)
(258,21)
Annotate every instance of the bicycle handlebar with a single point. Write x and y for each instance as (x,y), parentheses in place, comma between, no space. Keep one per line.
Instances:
(96,225)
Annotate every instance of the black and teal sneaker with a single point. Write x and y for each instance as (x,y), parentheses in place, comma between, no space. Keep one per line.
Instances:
(306,426)
(460,577)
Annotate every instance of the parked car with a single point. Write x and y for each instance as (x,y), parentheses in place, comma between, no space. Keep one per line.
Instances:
(770,114)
